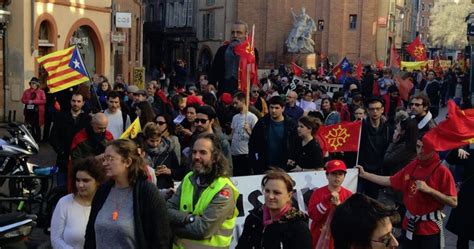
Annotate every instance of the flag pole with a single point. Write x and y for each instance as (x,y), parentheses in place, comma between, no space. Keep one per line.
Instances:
(358,146)
(94,92)
(249,70)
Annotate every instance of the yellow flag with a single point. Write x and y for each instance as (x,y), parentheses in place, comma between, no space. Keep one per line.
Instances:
(132,130)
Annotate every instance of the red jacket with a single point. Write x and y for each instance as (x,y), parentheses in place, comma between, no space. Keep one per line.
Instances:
(39,100)
(320,207)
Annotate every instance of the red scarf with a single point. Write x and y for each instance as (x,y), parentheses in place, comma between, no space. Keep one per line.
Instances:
(267,219)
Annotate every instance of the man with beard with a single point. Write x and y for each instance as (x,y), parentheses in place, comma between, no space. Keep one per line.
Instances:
(66,125)
(203,209)
(90,141)
(225,67)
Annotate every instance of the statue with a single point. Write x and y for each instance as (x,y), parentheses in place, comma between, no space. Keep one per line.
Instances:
(299,40)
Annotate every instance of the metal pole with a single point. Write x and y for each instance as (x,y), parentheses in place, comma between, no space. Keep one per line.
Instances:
(471,75)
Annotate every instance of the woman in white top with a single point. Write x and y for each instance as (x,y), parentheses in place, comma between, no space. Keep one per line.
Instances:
(69,221)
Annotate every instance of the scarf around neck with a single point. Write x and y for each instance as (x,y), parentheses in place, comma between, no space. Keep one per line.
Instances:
(268,220)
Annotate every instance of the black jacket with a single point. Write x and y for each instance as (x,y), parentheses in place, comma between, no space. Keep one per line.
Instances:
(170,160)
(63,132)
(258,148)
(373,144)
(290,232)
(152,228)
(461,219)
(217,74)
(396,157)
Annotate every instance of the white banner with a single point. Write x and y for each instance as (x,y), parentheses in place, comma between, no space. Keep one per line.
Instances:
(251,195)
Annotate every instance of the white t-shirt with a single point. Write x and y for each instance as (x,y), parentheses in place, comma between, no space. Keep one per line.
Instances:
(307,106)
(68,224)
(240,138)
(115,125)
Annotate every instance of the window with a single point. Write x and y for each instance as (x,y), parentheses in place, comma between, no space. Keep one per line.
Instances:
(208,23)
(422,7)
(151,13)
(352,21)
(210,2)
(429,7)
(422,22)
(320,25)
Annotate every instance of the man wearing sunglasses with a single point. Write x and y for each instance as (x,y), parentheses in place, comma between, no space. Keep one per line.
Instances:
(205,122)
(419,109)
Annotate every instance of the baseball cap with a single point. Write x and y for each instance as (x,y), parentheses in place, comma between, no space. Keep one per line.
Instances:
(132,89)
(335,165)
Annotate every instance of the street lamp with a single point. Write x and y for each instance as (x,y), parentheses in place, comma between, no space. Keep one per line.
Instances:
(4,20)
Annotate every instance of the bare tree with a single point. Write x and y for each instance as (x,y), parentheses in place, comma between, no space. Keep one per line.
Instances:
(447,26)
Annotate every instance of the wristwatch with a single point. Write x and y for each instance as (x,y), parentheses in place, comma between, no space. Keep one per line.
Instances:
(190,218)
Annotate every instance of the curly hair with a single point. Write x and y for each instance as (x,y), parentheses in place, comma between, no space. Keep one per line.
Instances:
(127,149)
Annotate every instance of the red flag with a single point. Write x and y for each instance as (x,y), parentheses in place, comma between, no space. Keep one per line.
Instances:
(359,70)
(417,50)
(340,137)
(455,131)
(379,64)
(297,70)
(404,86)
(247,57)
(321,71)
(395,60)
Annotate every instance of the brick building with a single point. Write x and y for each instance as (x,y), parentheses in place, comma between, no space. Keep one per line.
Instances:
(361,29)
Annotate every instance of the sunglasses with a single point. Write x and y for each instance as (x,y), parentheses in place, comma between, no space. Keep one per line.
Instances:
(160,122)
(415,104)
(200,120)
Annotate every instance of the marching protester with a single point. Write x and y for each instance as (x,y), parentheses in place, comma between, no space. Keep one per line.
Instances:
(362,222)
(34,100)
(292,110)
(118,121)
(90,141)
(419,109)
(66,125)
(276,224)
(330,115)
(374,140)
(272,141)
(167,128)
(161,157)
(203,209)
(432,90)
(242,126)
(325,199)
(427,186)
(308,153)
(69,221)
(127,211)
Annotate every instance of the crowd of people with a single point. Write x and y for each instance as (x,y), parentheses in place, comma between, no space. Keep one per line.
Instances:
(205,132)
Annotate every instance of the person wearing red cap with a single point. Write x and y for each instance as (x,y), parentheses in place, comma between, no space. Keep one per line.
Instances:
(427,186)
(325,199)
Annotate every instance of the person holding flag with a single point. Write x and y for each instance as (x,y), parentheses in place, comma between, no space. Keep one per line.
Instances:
(226,65)
(341,69)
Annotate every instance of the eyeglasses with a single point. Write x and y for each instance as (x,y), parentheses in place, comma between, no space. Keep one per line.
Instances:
(200,120)
(160,122)
(108,158)
(415,104)
(387,238)
(375,109)
(254,91)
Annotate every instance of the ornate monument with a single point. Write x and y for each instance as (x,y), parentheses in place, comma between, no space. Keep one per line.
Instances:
(300,38)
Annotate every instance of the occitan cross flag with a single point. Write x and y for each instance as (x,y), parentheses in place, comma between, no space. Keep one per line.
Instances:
(132,130)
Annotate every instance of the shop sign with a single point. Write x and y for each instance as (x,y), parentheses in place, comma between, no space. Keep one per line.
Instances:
(84,41)
(118,37)
(123,20)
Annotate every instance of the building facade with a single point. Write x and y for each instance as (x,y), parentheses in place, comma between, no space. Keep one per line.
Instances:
(44,26)
(357,29)
(126,38)
(213,25)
